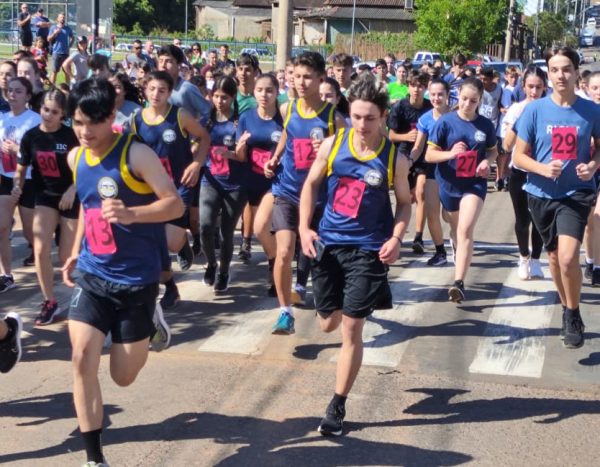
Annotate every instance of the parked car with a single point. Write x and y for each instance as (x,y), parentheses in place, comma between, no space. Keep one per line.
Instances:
(257,51)
(421,57)
(297,51)
(124,47)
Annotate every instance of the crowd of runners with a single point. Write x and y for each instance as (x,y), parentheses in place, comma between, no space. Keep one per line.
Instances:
(164,153)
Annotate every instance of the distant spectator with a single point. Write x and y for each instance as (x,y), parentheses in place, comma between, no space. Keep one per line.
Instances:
(224,59)
(40,54)
(61,37)
(196,58)
(212,62)
(41,26)
(125,103)
(79,60)
(24,23)
(135,60)
(177,42)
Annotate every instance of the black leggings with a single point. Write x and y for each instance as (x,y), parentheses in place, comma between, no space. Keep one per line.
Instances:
(523,217)
(230,204)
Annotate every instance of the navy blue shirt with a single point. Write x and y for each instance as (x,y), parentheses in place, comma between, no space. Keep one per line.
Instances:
(62,42)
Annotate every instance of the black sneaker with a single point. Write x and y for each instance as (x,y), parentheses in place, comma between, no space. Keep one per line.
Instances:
(564,325)
(574,328)
(588,272)
(418,246)
(29,261)
(245,252)
(456,293)
(209,275)
(10,347)
(332,423)
(7,282)
(185,257)
(170,299)
(47,314)
(222,283)
(499,185)
(438,259)
(596,278)
(197,246)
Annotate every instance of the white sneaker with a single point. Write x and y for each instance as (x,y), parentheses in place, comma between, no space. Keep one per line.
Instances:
(162,337)
(524,269)
(535,269)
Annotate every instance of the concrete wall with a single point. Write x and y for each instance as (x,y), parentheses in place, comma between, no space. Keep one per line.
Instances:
(239,26)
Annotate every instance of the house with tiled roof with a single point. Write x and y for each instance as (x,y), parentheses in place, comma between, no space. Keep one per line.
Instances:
(315,21)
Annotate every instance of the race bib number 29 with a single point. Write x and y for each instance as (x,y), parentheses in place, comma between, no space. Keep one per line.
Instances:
(564,143)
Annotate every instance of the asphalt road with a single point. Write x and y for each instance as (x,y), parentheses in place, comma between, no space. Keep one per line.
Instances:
(486,382)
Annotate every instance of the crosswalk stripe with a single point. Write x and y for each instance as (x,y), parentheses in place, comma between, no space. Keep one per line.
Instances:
(514,342)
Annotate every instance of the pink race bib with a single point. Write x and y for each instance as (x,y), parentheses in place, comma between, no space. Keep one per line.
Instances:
(466,164)
(564,143)
(219,165)
(9,162)
(116,128)
(348,196)
(166,163)
(98,233)
(47,163)
(259,158)
(304,154)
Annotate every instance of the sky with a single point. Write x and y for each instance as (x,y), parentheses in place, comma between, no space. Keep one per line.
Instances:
(531,7)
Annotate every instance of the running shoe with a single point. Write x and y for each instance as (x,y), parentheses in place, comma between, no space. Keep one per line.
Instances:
(185,256)
(299,296)
(333,422)
(210,274)
(595,279)
(95,464)
(7,282)
(284,324)
(564,324)
(162,334)
(171,298)
(30,260)
(10,347)
(535,269)
(438,259)
(523,269)
(222,283)
(48,313)
(245,252)
(272,291)
(418,246)
(499,184)
(456,293)
(589,270)
(574,328)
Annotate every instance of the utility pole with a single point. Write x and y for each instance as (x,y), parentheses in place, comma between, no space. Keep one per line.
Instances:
(285,23)
(509,28)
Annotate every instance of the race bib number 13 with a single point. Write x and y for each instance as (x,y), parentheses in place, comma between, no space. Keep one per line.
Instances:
(98,233)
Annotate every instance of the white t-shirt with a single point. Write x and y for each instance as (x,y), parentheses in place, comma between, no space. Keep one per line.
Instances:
(13,128)
(510,117)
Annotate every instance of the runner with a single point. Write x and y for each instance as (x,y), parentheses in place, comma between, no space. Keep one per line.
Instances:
(359,166)
(10,341)
(221,188)
(342,71)
(167,129)
(402,124)
(13,125)
(398,89)
(438,96)
(553,147)
(592,269)
(258,133)
(125,196)
(44,149)
(331,92)
(463,145)
(308,121)
(534,83)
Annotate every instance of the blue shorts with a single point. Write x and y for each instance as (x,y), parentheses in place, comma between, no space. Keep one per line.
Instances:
(451,202)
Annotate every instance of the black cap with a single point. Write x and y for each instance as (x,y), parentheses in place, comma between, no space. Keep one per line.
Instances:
(82,39)
(40,10)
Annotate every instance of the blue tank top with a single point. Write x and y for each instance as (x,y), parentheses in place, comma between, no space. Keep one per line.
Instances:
(172,144)
(264,136)
(124,254)
(358,210)
(298,155)
(222,173)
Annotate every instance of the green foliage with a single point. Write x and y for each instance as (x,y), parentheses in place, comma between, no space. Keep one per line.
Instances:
(204,32)
(168,15)
(551,27)
(449,26)
(374,45)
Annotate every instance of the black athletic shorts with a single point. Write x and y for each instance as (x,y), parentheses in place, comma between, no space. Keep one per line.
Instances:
(183,221)
(256,196)
(349,279)
(26,39)
(50,201)
(27,199)
(285,215)
(124,310)
(565,216)
(418,168)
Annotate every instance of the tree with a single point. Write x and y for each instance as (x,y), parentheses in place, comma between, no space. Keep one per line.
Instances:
(552,27)
(152,14)
(468,26)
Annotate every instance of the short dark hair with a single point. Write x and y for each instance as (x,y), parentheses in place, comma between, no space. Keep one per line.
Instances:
(418,78)
(94,97)
(25,82)
(137,41)
(568,52)
(459,59)
(247,59)
(380,61)
(172,51)
(488,72)
(312,60)
(98,61)
(224,45)
(444,83)
(342,60)
(161,76)
(365,88)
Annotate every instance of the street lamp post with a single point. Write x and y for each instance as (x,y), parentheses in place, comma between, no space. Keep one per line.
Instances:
(352,33)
